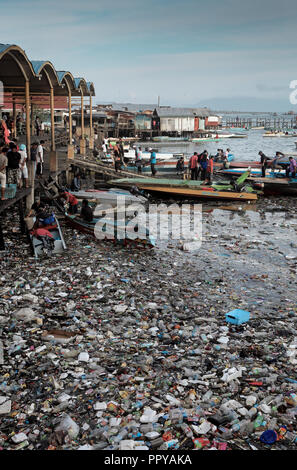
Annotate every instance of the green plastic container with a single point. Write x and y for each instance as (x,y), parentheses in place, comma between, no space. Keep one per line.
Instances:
(10,191)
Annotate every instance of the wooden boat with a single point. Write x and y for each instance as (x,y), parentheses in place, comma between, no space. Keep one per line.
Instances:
(274,134)
(253,172)
(110,229)
(276,186)
(190,189)
(240,129)
(57,245)
(198,140)
(108,197)
(169,167)
(130,155)
(257,164)
(165,138)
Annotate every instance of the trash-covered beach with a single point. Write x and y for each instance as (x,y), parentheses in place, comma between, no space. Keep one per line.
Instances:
(106,347)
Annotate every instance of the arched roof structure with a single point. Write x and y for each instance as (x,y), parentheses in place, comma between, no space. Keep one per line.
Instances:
(16,68)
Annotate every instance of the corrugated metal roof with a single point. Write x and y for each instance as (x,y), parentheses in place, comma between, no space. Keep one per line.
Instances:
(182,112)
(3,47)
(37,65)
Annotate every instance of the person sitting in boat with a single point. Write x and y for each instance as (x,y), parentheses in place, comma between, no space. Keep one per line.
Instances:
(219,157)
(292,168)
(71,200)
(44,216)
(86,212)
(227,154)
(180,166)
(36,207)
(46,237)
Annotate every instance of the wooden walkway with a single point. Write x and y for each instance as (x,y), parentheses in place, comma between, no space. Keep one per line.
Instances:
(19,199)
(20,194)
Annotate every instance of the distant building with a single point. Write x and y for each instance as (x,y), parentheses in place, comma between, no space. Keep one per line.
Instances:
(143,121)
(180,120)
(213,122)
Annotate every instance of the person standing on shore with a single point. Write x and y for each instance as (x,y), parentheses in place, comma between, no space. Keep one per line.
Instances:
(117,158)
(121,149)
(203,163)
(264,160)
(104,149)
(180,167)
(292,168)
(209,170)
(138,160)
(193,165)
(153,161)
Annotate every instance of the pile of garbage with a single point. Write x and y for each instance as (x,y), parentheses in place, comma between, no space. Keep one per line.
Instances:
(111,348)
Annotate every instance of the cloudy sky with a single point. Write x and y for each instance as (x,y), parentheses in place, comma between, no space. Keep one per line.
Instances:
(229,54)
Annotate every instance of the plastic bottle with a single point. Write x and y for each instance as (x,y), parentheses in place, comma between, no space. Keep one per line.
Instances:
(204,338)
(124,433)
(187,430)
(236,427)
(258,421)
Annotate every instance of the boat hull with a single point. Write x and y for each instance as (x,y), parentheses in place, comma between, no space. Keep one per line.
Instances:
(186,189)
(115,233)
(59,244)
(284,187)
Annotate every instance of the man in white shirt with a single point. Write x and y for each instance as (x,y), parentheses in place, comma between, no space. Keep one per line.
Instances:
(39,159)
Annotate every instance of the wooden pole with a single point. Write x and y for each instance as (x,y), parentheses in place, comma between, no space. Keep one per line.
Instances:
(28,133)
(30,197)
(14,118)
(91,141)
(32,118)
(82,141)
(52,104)
(70,117)
(82,116)
(91,117)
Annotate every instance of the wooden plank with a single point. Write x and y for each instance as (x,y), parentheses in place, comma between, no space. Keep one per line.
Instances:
(20,194)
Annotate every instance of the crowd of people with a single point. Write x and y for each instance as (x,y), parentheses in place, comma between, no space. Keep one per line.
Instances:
(13,163)
(201,166)
(291,166)
(18,127)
